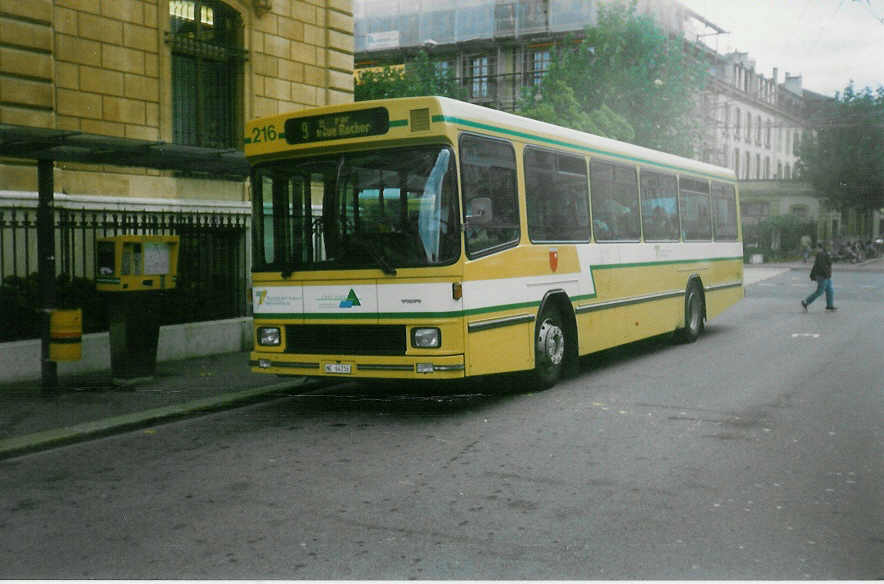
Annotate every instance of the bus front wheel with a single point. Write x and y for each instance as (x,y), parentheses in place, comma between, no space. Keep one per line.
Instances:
(549,348)
(693,314)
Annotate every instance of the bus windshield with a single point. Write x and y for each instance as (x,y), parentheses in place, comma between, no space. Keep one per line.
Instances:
(381,209)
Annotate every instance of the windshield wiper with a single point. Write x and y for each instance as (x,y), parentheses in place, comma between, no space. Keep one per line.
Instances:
(378,256)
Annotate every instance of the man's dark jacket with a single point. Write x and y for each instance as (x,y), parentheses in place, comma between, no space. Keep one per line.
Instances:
(822,266)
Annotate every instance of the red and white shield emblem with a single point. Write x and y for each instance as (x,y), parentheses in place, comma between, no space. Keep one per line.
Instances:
(554,259)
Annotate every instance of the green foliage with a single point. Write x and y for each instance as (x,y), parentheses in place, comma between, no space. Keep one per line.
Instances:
(844,157)
(626,73)
(419,77)
(558,105)
(759,238)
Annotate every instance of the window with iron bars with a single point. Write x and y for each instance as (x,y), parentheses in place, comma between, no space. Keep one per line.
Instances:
(207,62)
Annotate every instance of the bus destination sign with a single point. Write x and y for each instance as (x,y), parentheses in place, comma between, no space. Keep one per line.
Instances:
(358,124)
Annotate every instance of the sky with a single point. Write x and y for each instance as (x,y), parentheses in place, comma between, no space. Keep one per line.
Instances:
(828,42)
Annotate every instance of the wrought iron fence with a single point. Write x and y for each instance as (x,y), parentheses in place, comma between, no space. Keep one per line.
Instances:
(212,266)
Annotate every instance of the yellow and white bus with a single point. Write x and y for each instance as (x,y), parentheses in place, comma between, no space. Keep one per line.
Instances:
(428,238)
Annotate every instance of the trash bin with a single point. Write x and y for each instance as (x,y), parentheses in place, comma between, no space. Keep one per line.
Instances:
(66,335)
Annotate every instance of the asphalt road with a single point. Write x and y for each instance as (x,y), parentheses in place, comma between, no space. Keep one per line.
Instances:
(756,453)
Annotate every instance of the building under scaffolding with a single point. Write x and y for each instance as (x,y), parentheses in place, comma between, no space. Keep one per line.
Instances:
(495,48)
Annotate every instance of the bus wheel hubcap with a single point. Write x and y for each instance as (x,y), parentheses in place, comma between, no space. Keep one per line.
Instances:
(551,343)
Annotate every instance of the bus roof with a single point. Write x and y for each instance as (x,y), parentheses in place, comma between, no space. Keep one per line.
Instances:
(422,117)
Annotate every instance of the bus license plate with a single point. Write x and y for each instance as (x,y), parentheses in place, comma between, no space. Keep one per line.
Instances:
(339,368)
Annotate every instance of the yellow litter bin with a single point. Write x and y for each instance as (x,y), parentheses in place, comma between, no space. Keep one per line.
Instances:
(66,335)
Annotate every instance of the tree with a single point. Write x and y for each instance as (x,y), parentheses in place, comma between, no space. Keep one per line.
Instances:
(629,67)
(558,105)
(843,158)
(423,76)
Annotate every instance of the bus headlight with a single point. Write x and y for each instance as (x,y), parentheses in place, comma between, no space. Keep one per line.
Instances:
(426,338)
(269,336)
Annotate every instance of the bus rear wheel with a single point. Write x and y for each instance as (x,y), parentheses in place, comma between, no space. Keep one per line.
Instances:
(693,314)
(549,348)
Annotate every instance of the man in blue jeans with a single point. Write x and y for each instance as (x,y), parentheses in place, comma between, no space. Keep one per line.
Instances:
(821,272)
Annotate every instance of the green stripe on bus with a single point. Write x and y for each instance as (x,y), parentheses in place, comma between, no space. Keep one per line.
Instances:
(481,126)
(398,123)
(485,309)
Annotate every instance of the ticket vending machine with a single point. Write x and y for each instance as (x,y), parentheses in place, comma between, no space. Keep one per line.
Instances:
(132,273)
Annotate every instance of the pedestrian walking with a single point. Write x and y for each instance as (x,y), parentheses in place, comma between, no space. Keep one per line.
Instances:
(821,273)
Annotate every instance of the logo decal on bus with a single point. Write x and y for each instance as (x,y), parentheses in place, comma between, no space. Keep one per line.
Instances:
(350,301)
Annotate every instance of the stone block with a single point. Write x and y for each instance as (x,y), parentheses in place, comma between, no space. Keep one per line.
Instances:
(291,29)
(314,35)
(95,80)
(152,113)
(67,75)
(36,10)
(142,132)
(291,71)
(25,117)
(141,87)
(77,50)
(78,103)
(25,34)
(341,5)
(339,97)
(99,28)
(104,128)
(130,111)
(140,37)
(305,94)
(125,10)
(277,46)
(92,6)
(265,107)
(122,59)
(66,21)
(303,53)
(26,92)
(305,12)
(340,80)
(263,64)
(314,75)
(340,61)
(340,41)
(276,88)
(340,21)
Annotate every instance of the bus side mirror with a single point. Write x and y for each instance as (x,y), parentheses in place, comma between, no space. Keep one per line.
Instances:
(480,211)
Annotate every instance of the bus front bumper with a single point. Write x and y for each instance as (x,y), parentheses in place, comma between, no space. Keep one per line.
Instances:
(359,367)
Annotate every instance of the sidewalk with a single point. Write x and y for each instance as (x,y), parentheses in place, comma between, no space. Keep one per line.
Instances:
(88,405)
(872,265)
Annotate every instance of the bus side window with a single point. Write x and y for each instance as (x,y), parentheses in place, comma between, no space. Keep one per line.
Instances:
(724,211)
(693,201)
(489,175)
(556,196)
(659,193)
(615,208)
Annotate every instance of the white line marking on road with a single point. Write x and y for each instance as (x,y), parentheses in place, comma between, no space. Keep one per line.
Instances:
(811,335)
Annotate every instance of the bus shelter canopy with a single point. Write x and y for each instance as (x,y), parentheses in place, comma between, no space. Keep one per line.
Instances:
(72,146)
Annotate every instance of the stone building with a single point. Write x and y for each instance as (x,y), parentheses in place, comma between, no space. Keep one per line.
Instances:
(152,70)
(751,123)
(146,103)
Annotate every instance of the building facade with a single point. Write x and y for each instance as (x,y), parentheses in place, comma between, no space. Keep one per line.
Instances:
(179,71)
(750,122)
(136,75)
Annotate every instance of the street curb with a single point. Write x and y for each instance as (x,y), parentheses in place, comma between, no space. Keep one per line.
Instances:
(29,443)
